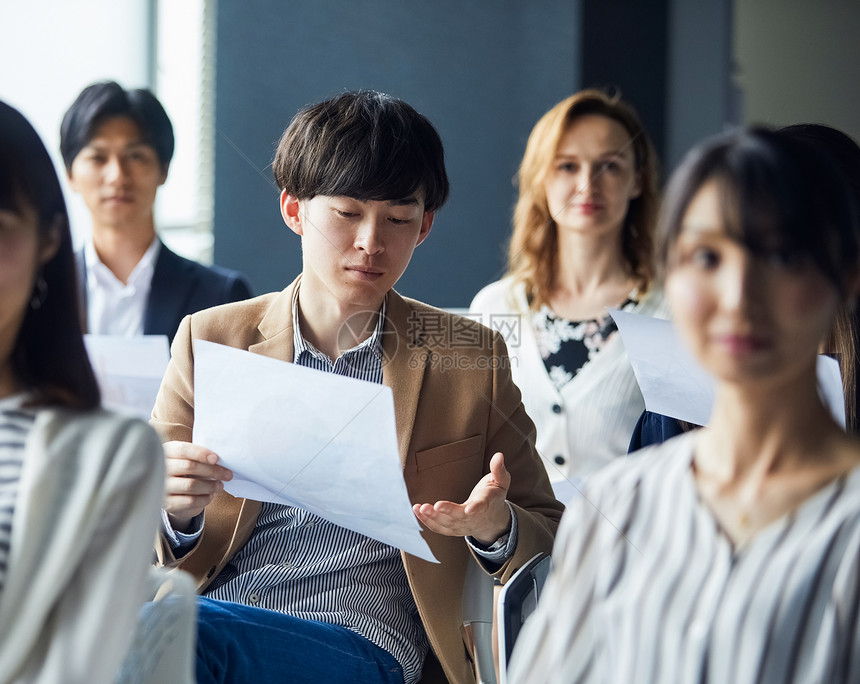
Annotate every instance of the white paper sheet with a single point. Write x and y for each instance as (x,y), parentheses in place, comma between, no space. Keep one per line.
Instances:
(674,384)
(830,387)
(567,490)
(303,437)
(129,370)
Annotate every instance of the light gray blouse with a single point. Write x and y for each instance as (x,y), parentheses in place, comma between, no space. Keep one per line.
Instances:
(647,588)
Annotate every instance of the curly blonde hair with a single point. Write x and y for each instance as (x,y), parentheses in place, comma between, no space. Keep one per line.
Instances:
(533,249)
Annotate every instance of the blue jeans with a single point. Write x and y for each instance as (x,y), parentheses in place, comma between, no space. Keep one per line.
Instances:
(239,644)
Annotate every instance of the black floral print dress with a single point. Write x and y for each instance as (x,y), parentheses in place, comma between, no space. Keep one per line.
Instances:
(566,346)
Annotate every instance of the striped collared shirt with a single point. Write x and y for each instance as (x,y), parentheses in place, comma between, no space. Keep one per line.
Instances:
(298,563)
(647,588)
(15,425)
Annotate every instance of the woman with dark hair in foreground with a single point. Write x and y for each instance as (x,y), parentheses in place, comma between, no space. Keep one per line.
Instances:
(843,340)
(80,488)
(731,553)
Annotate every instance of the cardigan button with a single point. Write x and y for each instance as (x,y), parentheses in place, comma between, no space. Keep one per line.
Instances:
(556,408)
(559,459)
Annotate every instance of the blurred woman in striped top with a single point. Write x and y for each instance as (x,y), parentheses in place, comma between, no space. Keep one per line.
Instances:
(80,489)
(732,553)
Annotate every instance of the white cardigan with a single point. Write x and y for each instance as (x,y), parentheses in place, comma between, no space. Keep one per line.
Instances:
(589,422)
(85,519)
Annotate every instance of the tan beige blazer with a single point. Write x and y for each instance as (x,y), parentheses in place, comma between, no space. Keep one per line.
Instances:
(455,406)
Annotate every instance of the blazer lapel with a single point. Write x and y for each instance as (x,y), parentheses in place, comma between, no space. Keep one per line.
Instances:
(276,327)
(405,359)
(404,354)
(168,293)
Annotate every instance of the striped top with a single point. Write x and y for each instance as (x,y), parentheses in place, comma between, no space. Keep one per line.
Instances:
(15,425)
(647,588)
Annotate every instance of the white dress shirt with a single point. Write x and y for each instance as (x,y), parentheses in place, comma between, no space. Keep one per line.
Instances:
(114,307)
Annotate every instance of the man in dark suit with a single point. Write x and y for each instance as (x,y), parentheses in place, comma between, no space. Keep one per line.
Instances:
(117,145)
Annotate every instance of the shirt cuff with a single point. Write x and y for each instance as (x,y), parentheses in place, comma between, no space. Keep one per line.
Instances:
(501,549)
(182,541)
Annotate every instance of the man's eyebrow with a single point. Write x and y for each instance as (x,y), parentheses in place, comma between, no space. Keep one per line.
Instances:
(404,202)
(96,143)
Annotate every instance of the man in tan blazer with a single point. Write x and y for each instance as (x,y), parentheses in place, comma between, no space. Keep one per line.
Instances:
(287,595)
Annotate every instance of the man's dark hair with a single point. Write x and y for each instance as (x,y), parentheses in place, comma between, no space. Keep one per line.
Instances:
(365,145)
(101,101)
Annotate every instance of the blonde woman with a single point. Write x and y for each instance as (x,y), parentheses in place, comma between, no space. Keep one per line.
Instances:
(581,244)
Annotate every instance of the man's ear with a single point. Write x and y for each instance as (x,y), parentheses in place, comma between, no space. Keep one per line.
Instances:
(426,225)
(291,212)
(164,169)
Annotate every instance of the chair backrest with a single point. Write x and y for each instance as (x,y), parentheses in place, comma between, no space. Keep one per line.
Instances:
(517,601)
(478,598)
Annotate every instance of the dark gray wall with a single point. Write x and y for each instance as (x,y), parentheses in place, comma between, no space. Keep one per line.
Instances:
(671,59)
(482,72)
(701,98)
(625,49)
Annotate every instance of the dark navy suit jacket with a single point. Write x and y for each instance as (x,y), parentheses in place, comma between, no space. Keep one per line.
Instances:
(655,428)
(179,287)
